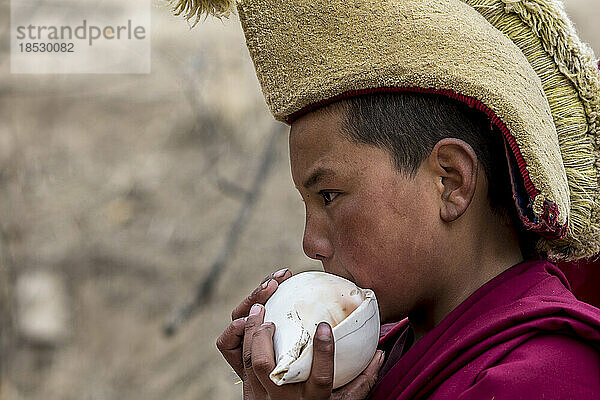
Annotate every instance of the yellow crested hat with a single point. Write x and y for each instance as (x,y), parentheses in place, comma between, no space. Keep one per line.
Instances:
(518,61)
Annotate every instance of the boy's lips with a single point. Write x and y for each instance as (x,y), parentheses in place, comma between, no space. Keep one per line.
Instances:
(342,272)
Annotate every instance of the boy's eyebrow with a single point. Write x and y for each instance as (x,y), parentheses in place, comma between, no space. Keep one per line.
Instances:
(316,176)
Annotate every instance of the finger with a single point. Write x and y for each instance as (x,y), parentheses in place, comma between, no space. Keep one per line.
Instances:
(263,357)
(254,320)
(279,276)
(362,384)
(282,275)
(230,345)
(256,393)
(262,293)
(320,381)
(259,296)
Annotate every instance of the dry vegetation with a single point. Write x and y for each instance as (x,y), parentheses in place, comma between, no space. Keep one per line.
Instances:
(124,189)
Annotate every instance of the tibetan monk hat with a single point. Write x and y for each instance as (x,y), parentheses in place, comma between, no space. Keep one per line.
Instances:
(518,61)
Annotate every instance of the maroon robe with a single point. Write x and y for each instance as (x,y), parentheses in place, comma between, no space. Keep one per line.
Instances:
(522,335)
(584,277)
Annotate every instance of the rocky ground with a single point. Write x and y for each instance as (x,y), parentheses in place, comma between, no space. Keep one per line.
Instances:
(117,195)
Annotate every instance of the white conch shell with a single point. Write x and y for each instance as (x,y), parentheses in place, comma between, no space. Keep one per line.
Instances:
(300,304)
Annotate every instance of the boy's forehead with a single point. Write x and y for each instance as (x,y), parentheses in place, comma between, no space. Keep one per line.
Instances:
(317,122)
(315,135)
(319,151)
(327,152)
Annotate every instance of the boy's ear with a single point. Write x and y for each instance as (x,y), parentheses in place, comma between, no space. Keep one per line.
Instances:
(455,164)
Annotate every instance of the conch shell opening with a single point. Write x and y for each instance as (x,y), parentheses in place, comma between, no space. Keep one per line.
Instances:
(300,304)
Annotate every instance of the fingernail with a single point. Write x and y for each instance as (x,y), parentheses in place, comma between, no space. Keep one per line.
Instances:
(323,331)
(255,309)
(265,284)
(381,356)
(280,273)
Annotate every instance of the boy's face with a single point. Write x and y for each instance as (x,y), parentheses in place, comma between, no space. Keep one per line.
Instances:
(365,220)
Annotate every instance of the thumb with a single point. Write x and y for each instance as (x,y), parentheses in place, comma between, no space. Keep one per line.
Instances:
(320,381)
(360,387)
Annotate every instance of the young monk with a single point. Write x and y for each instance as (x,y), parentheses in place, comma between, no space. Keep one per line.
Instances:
(434,246)
(445,151)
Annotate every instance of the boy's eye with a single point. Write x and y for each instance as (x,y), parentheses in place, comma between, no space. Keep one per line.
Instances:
(328,196)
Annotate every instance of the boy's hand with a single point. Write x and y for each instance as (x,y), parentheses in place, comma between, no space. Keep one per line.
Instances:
(247,345)
(230,343)
(260,361)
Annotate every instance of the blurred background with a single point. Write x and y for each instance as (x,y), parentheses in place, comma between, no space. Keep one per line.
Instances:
(124,196)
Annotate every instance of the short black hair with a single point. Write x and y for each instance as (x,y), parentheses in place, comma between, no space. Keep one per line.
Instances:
(409,125)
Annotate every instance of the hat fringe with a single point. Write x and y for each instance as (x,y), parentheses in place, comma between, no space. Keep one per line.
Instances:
(193,9)
(579,141)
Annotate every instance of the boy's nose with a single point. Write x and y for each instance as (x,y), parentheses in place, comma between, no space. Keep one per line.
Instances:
(316,242)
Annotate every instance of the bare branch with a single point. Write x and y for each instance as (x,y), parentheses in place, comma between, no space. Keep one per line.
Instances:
(205,288)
